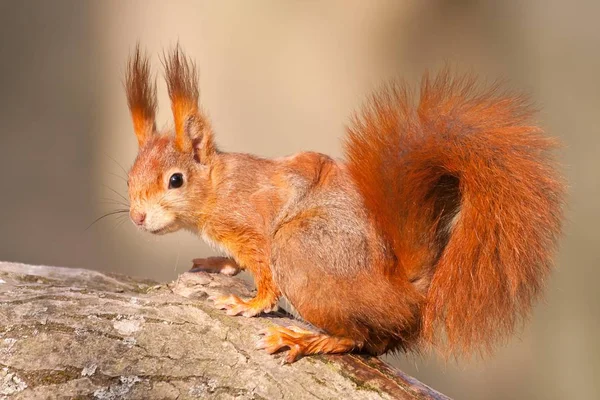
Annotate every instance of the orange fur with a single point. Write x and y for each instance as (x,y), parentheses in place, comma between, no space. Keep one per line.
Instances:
(182,83)
(501,180)
(141,95)
(443,220)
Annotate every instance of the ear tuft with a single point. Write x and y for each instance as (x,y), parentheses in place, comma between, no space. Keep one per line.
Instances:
(182,83)
(192,129)
(141,95)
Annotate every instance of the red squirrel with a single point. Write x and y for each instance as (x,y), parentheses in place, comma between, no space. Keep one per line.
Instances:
(439,226)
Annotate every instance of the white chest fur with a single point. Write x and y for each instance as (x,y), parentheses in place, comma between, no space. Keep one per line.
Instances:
(216,245)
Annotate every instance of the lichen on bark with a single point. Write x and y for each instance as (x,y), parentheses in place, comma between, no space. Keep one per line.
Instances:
(73,333)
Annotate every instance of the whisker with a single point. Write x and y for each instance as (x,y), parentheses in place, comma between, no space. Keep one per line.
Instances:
(118,176)
(121,219)
(115,192)
(106,215)
(178,254)
(115,201)
(108,200)
(116,162)
(122,216)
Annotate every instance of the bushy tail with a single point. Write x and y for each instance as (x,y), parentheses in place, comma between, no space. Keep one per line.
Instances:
(467,193)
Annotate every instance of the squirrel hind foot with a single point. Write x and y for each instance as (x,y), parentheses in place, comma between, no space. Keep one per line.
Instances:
(301,342)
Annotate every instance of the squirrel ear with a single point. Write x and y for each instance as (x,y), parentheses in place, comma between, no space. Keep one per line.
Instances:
(192,129)
(199,132)
(141,95)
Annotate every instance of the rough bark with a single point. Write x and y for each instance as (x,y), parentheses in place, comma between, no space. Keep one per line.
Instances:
(73,333)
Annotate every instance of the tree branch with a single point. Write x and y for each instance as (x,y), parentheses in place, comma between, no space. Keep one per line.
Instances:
(83,334)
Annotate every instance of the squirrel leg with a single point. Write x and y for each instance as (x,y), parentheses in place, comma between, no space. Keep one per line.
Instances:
(301,342)
(265,300)
(216,265)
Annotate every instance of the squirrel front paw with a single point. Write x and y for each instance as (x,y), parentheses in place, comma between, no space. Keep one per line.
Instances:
(216,265)
(236,306)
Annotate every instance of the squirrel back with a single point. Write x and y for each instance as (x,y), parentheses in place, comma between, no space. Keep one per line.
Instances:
(466,191)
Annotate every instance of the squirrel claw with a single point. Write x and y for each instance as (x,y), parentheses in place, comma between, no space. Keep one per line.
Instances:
(236,306)
(223,301)
(277,338)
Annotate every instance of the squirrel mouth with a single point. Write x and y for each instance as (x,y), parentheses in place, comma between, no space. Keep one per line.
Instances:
(160,231)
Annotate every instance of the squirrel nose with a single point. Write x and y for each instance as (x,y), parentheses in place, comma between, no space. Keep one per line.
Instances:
(137,217)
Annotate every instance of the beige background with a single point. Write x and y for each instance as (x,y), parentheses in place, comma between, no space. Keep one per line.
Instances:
(278,77)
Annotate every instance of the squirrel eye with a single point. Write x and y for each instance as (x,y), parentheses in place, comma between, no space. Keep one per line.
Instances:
(175,181)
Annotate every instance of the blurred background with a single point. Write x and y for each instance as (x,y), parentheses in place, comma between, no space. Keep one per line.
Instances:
(278,77)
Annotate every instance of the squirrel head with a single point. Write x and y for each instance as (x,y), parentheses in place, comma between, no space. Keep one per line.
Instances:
(170,178)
